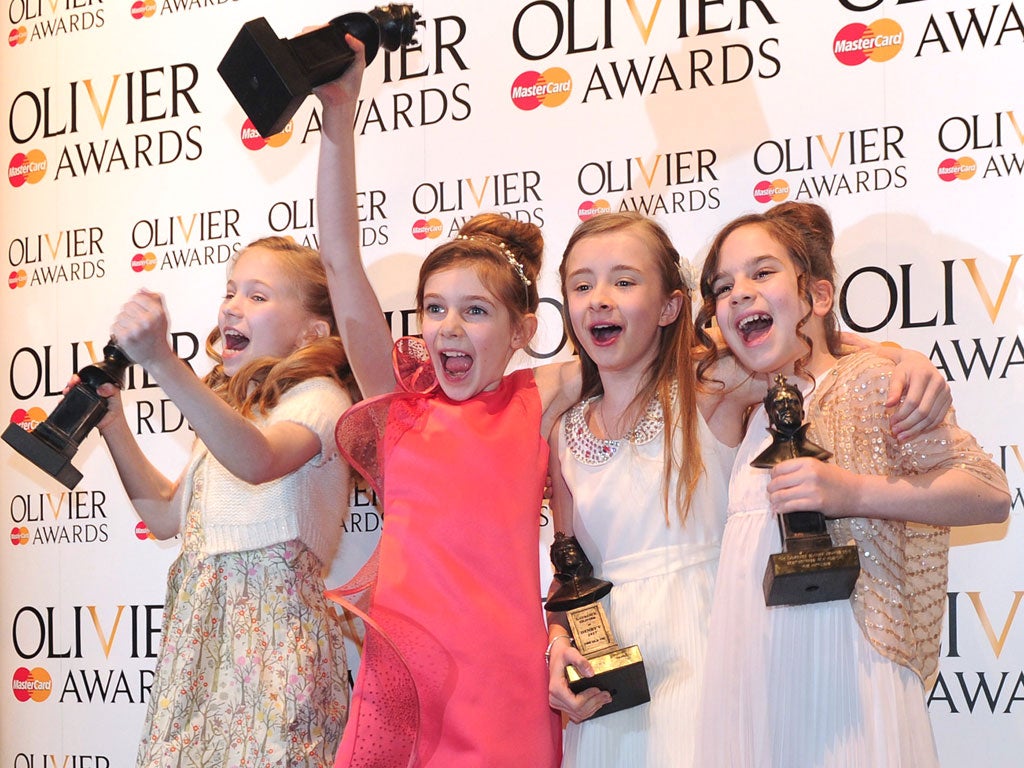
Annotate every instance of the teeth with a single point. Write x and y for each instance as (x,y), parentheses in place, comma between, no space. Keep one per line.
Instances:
(753,318)
(455,354)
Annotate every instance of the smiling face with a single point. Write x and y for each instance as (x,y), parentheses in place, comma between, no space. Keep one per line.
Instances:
(470,334)
(262,312)
(760,307)
(616,301)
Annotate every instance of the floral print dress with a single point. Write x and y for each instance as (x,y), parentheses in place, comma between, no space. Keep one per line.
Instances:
(251,671)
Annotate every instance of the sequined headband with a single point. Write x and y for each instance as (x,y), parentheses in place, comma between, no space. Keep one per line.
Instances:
(516,264)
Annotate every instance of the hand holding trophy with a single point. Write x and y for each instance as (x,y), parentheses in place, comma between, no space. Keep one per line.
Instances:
(809,569)
(620,671)
(270,77)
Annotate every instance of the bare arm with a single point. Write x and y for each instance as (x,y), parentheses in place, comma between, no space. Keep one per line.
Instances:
(361,323)
(250,453)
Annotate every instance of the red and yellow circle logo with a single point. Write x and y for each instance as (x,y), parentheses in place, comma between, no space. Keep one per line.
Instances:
(17,279)
(32,684)
(771,191)
(588,209)
(30,419)
(143,9)
(142,532)
(144,262)
(424,228)
(19,535)
(856,43)
(961,168)
(251,138)
(550,88)
(27,167)
(17,36)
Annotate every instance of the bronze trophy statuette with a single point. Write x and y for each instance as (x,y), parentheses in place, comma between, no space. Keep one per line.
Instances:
(55,441)
(620,671)
(270,76)
(810,569)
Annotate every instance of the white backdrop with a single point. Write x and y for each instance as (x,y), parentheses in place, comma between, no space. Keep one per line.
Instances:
(129,165)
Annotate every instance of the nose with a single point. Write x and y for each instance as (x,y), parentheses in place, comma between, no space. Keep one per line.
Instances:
(742,290)
(451,324)
(599,298)
(232,306)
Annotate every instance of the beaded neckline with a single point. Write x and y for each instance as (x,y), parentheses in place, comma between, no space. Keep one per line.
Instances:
(589,449)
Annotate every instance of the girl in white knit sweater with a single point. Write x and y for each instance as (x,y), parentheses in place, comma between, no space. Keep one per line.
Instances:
(251,668)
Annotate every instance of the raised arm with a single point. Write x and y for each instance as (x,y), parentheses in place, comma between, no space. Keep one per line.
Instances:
(361,323)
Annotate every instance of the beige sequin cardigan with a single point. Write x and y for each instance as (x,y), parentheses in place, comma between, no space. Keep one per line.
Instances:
(900,596)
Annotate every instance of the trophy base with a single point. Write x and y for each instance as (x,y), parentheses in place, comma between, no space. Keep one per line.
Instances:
(811,576)
(44,456)
(621,673)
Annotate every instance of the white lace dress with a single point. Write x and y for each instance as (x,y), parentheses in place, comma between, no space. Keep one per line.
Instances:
(663,576)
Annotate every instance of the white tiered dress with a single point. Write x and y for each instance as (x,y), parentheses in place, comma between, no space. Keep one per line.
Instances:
(663,576)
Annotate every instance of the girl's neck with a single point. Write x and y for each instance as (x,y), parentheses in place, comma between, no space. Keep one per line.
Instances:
(617,412)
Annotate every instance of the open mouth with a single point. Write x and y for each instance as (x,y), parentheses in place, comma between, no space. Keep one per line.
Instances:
(753,328)
(234,341)
(456,364)
(605,333)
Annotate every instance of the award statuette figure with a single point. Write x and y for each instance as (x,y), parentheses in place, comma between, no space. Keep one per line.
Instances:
(809,569)
(620,671)
(55,441)
(270,77)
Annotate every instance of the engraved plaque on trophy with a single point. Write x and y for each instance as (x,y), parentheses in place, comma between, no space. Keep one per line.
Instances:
(55,441)
(810,569)
(620,671)
(270,76)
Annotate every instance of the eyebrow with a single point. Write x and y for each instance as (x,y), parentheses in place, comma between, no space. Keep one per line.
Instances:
(614,268)
(748,264)
(463,299)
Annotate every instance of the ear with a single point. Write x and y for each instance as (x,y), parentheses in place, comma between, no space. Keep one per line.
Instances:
(523,331)
(315,329)
(823,293)
(673,306)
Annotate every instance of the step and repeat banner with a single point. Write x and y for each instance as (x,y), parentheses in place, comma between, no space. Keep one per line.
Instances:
(130,165)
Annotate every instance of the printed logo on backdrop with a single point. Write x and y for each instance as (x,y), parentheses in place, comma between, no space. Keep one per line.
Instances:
(446,204)
(193,240)
(850,162)
(698,54)
(251,138)
(986,26)
(1011,459)
(36,20)
(297,219)
(995,141)
(681,181)
(147,9)
(110,124)
(972,679)
(878,42)
(105,652)
(935,294)
(38,373)
(67,517)
(69,256)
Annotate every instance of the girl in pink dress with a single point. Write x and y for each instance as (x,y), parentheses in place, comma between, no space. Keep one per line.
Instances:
(453,677)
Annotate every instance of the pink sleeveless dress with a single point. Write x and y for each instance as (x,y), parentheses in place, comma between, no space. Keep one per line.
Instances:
(452,673)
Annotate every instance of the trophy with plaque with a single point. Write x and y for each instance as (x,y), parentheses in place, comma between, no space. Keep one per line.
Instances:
(620,671)
(270,76)
(810,569)
(55,441)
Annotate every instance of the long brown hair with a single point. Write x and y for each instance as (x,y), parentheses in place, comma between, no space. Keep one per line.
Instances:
(672,367)
(260,383)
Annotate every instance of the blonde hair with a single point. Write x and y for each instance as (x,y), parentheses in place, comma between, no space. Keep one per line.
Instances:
(260,383)
(672,367)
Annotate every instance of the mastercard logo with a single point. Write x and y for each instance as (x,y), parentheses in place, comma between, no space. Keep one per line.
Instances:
(17,36)
(251,138)
(879,41)
(961,168)
(32,684)
(425,228)
(19,535)
(144,262)
(26,167)
(143,9)
(590,208)
(141,532)
(771,191)
(17,279)
(30,419)
(550,88)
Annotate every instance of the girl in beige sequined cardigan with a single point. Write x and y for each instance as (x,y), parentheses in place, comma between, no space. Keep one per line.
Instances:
(769,282)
